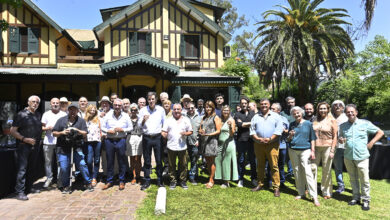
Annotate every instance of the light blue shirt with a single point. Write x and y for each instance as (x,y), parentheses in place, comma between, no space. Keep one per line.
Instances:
(111,122)
(155,122)
(283,138)
(357,137)
(266,126)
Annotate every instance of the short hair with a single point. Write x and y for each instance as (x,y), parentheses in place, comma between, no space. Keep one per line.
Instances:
(34,96)
(151,93)
(178,105)
(338,102)
(141,98)
(126,99)
(265,99)
(289,98)
(351,106)
(112,94)
(167,102)
(309,103)
(54,98)
(118,100)
(278,105)
(83,97)
(218,95)
(191,103)
(245,98)
(133,105)
(297,108)
(200,100)
(164,94)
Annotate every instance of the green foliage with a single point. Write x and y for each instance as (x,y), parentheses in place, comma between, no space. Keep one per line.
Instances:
(253,90)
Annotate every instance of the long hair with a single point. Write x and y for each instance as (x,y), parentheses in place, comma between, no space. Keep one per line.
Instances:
(89,117)
(212,106)
(319,118)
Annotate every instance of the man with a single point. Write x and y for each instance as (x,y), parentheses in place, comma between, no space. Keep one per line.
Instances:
(338,159)
(27,130)
(150,119)
(277,108)
(126,105)
(354,133)
(116,125)
(113,97)
(193,142)
(290,102)
(244,143)
(163,96)
(49,119)
(176,129)
(185,100)
(309,112)
(200,107)
(70,131)
(83,103)
(266,127)
(219,100)
(105,106)
(64,103)
(252,106)
(141,102)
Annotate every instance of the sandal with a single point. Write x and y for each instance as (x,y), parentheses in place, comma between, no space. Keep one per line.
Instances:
(316,202)
(327,197)
(209,185)
(93,182)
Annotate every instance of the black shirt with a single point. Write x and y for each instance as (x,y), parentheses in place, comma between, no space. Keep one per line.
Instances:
(243,133)
(29,125)
(62,124)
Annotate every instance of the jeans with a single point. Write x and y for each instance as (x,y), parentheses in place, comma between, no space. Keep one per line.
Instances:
(64,162)
(49,151)
(193,152)
(117,147)
(149,143)
(338,163)
(26,157)
(93,158)
(242,148)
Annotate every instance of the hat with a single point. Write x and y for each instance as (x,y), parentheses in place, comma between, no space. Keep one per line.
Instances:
(73,105)
(105,99)
(64,99)
(186,96)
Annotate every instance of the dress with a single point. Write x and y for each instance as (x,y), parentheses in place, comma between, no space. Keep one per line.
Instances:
(226,161)
(209,144)
(134,140)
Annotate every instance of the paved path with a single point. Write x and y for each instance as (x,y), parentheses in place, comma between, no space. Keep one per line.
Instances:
(52,204)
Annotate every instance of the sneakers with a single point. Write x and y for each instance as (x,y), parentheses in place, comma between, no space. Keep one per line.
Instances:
(184,185)
(255,183)
(366,205)
(172,186)
(225,185)
(193,182)
(66,190)
(89,187)
(354,202)
(240,183)
(145,186)
(340,189)
(22,197)
(34,190)
(47,183)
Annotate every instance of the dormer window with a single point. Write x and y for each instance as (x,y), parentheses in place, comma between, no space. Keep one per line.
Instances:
(190,46)
(23,39)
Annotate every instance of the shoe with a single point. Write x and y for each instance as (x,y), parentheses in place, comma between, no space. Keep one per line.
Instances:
(277,193)
(22,197)
(121,186)
(255,183)
(340,189)
(354,202)
(184,185)
(34,190)
(93,182)
(47,183)
(193,182)
(66,190)
(172,186)
(145,186)
(89,187)
(366,205)
(225,185)
(133,182)
(316,202)
(257,188)
(240,183)
(108,185)
(283,186)
(160,184)
(298,197)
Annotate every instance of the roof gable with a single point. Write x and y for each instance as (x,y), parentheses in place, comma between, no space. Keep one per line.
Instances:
(43,15)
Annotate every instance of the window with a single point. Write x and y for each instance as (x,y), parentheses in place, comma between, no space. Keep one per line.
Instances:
(140,43)
(190,46)
(24,40)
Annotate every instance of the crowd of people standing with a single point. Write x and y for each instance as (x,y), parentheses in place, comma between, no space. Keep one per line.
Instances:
(268,138)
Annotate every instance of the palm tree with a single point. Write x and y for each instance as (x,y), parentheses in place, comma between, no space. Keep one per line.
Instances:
(302,42)
(369,7)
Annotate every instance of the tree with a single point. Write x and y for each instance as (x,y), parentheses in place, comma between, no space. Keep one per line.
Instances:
(302,42)
(369,7)
(13,3)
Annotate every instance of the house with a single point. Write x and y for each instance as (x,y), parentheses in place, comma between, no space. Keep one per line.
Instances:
(150,45)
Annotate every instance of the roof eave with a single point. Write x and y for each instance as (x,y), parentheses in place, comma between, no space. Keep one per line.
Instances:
(44,15)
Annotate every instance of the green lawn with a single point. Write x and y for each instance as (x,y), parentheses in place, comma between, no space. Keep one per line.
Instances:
(240,203)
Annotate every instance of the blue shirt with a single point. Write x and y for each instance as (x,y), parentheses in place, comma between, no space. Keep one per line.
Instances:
(357,137)
(155,122)
(111,122)
(265,126)
(304,134)
(283,138)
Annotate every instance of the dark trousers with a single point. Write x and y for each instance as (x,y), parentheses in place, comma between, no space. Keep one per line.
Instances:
(117,147)
(149,143)
(193,152)
(182,166)
(246,147)
(27,159)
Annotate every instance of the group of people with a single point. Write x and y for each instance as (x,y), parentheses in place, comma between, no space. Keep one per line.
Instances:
(268,138)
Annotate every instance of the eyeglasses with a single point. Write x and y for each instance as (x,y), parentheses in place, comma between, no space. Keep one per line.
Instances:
(192,107)
(338,105)
(133,110)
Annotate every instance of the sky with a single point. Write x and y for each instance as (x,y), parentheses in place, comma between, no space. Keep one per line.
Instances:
(85,14)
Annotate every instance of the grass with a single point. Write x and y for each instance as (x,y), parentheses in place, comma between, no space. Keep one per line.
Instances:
(240,203)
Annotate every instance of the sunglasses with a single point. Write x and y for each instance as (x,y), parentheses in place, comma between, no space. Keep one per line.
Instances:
(133,110)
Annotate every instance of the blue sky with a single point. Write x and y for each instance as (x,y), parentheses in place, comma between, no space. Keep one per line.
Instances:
(84,14)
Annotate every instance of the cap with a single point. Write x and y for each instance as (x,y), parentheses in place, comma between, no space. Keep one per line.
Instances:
(73,105)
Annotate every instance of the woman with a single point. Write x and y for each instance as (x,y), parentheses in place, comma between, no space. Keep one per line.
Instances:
(226,162)
(94,138)
(326,128)
(134,145)
(302,142)
(210,127)
(167,107)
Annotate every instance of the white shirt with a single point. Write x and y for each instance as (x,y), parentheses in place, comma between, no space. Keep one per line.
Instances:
(154,123)
(111,122)
(50,118)
(173,127)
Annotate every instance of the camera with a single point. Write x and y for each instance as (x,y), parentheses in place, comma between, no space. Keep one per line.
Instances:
(74,139)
